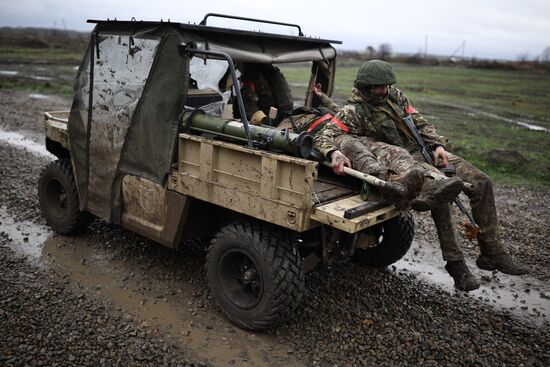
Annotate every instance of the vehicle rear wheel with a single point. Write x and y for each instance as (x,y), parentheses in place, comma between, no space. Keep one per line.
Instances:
(393,240)
(59,200)
(255,274)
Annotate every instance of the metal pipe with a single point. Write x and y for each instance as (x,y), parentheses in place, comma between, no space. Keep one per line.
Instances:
(236,88)
(268,137)
(203,21)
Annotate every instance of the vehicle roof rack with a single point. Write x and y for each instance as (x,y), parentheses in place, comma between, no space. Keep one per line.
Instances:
(203,21)
(206,29)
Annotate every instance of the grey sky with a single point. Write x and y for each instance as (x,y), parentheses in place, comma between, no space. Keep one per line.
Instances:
(491,29)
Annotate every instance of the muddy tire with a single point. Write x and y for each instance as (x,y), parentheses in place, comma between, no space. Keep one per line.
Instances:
(255,274)
(59,199)
(394,240)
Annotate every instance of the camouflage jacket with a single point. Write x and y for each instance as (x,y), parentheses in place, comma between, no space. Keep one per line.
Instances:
(311,119)
(382,123)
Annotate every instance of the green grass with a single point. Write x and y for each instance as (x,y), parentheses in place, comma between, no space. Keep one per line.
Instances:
(56,63)
(51,54)
(65,89)
(457,100)
(39,78)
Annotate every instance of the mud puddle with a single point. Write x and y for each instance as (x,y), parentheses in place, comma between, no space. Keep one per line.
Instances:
(9,72)
(167,307)
(38,96)
(523,123)
(524,296)
(27,238)
(20,141)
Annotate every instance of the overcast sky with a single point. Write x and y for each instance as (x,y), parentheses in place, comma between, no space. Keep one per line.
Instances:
(501,29)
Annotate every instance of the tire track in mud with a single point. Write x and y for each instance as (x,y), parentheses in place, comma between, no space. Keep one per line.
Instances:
(125,277)
(525,123)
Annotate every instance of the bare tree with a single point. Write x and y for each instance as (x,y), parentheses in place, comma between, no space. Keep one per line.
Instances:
(385,51)
(545,56)
(523,57)
(370,52)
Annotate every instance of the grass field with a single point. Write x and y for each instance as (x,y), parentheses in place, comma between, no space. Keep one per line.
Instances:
(480,111)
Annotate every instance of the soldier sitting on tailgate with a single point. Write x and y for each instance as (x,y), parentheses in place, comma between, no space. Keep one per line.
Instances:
(410,180)
(374,113)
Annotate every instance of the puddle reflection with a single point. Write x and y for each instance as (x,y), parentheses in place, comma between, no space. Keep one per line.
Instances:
(523,296)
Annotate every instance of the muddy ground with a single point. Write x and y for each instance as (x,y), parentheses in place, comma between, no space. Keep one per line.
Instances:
(110,297)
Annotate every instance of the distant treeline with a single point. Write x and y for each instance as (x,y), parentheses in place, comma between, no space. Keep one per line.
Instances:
(43,38)
(432,60)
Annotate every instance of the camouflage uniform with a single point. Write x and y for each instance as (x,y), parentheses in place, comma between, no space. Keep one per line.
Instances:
(381,120)
(376,158)
(311,119)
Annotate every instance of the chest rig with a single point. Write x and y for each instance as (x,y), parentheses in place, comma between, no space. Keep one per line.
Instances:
(385,122)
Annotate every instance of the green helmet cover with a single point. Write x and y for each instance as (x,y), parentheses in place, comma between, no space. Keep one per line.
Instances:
(375,72)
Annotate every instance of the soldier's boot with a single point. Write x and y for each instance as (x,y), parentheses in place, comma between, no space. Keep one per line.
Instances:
(464,279)
(437,192)
(402,189)
(502,262)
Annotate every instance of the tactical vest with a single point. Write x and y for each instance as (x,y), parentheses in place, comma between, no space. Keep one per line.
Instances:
(385,124)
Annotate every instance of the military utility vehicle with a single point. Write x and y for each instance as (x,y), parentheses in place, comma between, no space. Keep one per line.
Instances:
(151,143)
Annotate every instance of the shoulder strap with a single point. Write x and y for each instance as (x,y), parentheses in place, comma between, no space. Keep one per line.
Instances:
(365,114)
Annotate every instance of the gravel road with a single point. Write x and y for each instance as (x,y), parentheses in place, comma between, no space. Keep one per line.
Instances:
(110,297)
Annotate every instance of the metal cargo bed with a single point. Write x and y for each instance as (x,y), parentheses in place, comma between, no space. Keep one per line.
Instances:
(275,188)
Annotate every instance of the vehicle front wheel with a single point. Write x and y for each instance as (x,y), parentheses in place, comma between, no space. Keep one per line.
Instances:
(392,240)
(255,274)
(59,200)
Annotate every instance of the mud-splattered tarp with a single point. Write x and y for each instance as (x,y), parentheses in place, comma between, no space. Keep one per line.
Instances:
(138,77)
(139,83)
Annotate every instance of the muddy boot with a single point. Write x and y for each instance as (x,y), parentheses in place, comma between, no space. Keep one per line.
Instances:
(437,192)
(464,280)
(404,188)
(502,262)
(413,182)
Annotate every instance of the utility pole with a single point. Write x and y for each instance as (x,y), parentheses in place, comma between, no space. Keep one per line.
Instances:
(461,47)
(426,47)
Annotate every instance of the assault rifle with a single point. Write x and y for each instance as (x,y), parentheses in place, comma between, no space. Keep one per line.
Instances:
(472,228)
(421,144)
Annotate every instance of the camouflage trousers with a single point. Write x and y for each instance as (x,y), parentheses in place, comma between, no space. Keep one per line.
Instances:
(376,158)
(482,202)
(383,160)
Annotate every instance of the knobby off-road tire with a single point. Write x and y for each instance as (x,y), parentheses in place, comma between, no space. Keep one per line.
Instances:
(59,199)
(255,274)
(394,240)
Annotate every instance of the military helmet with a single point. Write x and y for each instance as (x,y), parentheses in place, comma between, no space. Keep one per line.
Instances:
(375,72)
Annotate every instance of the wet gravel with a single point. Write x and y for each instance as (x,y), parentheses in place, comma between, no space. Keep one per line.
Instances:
(46,322)
(524,217)
(379,317)
(350,315)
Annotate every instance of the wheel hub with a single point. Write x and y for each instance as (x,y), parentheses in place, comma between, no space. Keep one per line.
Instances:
(249,275)
(240,279)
